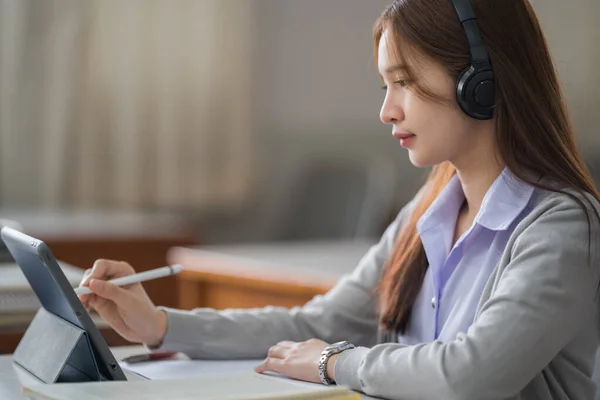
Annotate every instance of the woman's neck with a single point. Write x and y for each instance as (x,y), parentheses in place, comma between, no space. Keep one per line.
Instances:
(476,181)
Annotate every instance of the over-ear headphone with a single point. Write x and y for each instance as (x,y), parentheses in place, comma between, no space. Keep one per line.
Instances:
(475,91)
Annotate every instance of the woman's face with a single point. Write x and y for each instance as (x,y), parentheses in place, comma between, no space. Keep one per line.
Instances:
(432,132)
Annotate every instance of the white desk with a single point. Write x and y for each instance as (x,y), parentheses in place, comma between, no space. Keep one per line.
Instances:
(10,377)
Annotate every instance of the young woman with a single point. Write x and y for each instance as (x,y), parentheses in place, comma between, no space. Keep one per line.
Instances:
(485,286)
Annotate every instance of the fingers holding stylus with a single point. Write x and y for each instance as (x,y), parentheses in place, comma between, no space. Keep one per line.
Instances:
(107,290)
(102,270)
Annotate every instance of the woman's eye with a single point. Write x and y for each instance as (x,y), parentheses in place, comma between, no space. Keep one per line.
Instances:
(401,82)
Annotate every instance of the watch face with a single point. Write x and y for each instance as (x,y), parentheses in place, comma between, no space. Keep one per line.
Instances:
(339,344)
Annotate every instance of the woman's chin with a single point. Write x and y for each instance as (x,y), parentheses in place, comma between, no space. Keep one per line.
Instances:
(419,161)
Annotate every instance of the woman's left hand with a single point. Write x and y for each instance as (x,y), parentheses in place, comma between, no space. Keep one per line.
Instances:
(298,360)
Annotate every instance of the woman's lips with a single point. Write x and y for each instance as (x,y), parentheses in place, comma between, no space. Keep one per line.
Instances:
(405,138)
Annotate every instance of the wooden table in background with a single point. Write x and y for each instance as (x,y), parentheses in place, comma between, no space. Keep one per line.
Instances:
(283,274)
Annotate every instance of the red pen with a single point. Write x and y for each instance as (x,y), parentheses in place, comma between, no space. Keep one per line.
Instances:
(154,356)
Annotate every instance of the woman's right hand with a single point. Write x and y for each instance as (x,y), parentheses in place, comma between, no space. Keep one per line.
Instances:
(127,309)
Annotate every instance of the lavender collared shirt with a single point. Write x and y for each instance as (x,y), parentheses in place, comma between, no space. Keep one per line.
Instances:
(457,274)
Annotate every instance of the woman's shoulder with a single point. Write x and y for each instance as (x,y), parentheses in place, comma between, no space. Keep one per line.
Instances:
(557,244)
(565,218)
(546,202)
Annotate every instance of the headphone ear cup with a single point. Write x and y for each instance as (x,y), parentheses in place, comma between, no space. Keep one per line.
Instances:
(475,92)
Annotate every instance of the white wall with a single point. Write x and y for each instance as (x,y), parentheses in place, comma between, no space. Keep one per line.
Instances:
(573,33)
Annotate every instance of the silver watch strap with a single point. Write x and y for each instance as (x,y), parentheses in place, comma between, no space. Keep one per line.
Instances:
(326,355)
(325,380)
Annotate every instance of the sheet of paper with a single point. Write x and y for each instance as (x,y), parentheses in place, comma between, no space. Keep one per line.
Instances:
(176,369)
(242,385)
(186,368)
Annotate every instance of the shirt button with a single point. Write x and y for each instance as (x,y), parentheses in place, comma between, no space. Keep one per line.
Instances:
(433,302)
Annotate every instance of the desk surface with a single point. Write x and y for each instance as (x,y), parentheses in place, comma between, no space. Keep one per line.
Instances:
(11,388)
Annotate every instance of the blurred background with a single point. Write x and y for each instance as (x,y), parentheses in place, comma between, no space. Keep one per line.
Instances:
(223,110)
(128,128)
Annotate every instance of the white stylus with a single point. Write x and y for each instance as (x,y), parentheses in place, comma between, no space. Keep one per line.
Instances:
(135,278)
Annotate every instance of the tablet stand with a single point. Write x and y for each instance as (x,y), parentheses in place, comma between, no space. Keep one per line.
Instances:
(54,350)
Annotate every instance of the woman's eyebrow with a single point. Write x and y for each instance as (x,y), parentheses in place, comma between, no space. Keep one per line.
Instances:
(394,68)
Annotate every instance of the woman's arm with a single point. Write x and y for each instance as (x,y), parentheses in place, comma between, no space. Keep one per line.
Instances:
(544,296)
(346,312)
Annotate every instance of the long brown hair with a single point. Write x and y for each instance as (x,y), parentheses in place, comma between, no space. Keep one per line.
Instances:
(533,132)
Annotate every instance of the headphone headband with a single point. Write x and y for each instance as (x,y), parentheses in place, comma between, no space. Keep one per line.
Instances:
(466,15)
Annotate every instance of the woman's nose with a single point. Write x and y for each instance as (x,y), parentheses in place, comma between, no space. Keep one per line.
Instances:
(390,112)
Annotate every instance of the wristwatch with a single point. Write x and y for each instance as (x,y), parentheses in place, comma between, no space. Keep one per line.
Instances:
(328,352)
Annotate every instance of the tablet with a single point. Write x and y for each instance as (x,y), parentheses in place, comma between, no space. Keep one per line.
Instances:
(57,296)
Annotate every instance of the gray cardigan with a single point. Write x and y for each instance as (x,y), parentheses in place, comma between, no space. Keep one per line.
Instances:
(534,335)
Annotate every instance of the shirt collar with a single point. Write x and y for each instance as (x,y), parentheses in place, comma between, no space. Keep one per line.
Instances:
(501,205)
(445,205)
(503,202)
